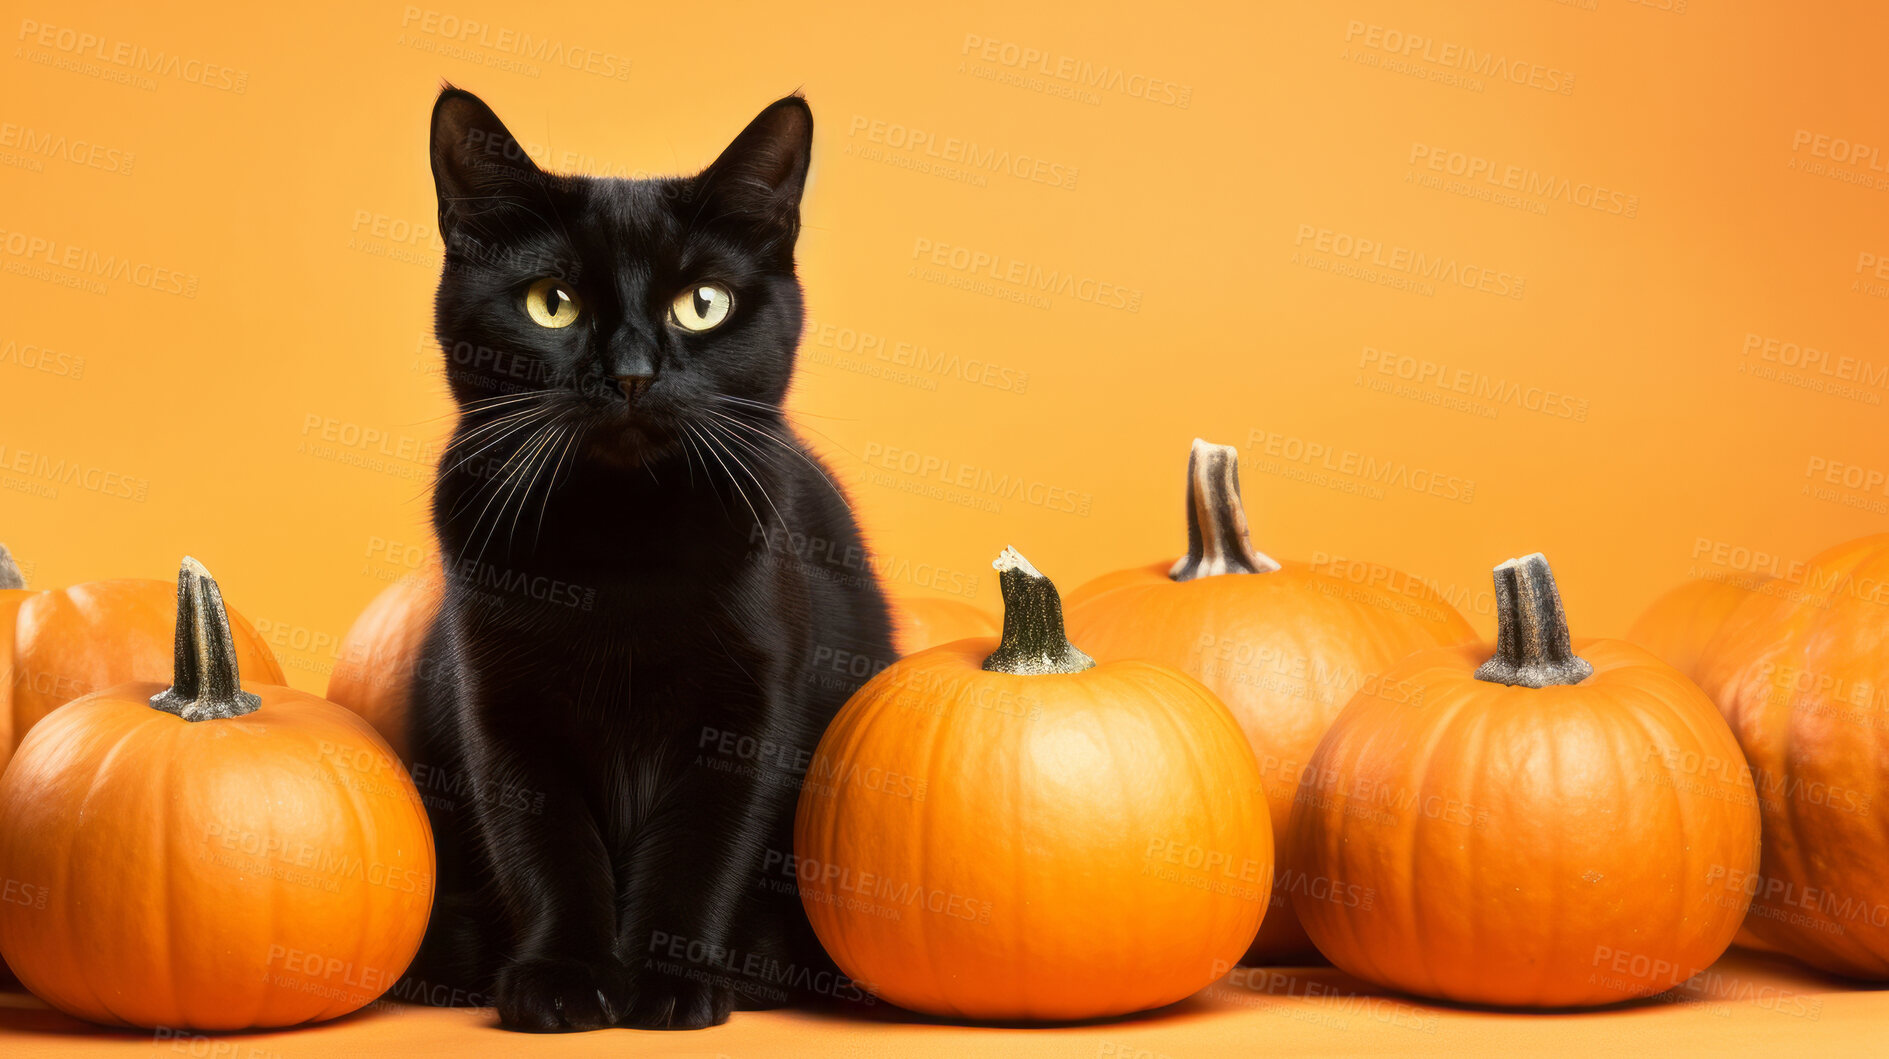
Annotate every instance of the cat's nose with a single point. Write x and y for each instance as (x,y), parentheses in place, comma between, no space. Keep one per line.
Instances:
(634,386)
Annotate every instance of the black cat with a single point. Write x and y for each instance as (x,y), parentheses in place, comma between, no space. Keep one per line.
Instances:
(634,658)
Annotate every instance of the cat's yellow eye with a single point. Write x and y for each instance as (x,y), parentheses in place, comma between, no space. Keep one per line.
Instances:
(552,304)
(702,307)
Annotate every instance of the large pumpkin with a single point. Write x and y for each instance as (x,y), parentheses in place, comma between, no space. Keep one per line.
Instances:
(919,622)
(1803,680)
(211,856)
(380,657)
(58,645)
(1007,830)
(1530,827)
(1285,645)
(1678,625)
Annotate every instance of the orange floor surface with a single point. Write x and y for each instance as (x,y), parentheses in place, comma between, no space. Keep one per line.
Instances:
(1746,1004)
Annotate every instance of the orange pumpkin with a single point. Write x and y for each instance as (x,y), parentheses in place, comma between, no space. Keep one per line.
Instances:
(919,622)
(381,654)
(1803,680)
(212,856)
(1285,645)
(1007,830)
(1530,827)
(1678,625)
(58,645)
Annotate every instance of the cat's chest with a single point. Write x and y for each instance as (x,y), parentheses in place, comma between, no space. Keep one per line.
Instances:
(596,640)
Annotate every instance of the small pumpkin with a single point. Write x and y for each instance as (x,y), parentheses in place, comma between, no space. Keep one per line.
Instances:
(1528,827)
(1678,625)
(209,856)
(1284,644)
(380,656)
(60,644)
(1803,680)
(919,622)
(1004,829)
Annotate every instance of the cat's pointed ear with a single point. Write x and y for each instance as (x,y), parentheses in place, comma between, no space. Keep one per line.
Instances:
(477,163)
(763,172)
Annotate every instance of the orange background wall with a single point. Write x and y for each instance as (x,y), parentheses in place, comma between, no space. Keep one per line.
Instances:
(218,258)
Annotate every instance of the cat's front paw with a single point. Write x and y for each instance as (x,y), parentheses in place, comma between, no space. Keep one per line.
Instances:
(561,996)
(666,1002)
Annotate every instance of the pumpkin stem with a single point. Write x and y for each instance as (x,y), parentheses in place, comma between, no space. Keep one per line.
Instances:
(1217,541)
(204,679)
(1034,641)
(10,576)
(1531,636)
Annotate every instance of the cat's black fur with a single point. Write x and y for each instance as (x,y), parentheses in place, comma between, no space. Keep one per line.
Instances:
(635,653)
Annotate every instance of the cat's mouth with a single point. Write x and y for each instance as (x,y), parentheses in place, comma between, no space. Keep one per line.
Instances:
(625,434)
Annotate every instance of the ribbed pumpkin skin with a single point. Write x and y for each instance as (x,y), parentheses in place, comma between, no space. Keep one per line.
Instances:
(380,656)
(919,622)
(1804,683)
(239,873)
(993,846)
(1678,625)
(1284,650)
(68,642)
(1565,846)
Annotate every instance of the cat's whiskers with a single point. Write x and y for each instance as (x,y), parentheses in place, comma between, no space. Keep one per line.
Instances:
(514,421)
(769,406)
(508,427)
(467,437)
(558,438)
(543,509)
(732,480)
(529,450)
(493,480)
(787,417)
(716,434)
(485,404)
(789,446)
(525,476)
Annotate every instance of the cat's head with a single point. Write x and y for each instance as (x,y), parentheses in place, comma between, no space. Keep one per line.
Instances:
(626,315)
